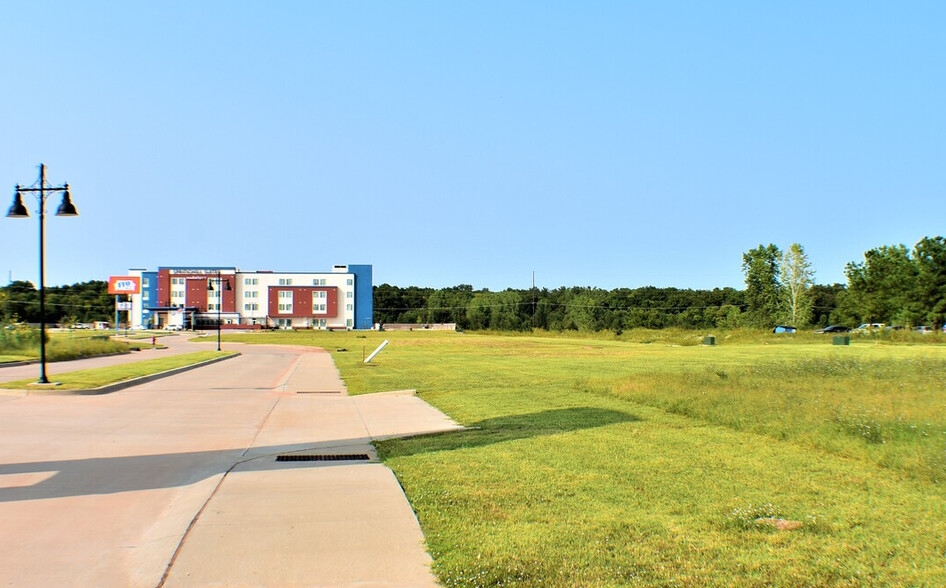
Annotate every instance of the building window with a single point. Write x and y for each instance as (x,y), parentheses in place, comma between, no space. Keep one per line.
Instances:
(144,296)
(251,294)
(349,294)
(347,322)
(285,301)
(144,282)
(213,306)
(318,282)
(349,307)
(251,306)
(177,281)
(320,294)
(318,308)
(285,281)
(349,282)
(250,281)
(177,294)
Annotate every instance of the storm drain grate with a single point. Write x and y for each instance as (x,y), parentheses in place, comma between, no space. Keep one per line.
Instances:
(342,457)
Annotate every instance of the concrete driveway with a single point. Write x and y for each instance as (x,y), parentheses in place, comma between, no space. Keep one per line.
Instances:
(176,482)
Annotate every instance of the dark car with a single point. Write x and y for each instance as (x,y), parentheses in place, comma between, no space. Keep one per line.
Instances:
(834,329)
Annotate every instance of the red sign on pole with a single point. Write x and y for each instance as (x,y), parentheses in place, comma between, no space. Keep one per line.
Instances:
(124,285)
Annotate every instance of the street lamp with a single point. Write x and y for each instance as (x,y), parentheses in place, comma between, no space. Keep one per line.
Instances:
(210,288)
(17,210)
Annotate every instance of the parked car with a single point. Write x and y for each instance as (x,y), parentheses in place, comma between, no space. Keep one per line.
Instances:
(868,327)
(173,328)
(783,329)
(923,329)
(834,329)
(894,328)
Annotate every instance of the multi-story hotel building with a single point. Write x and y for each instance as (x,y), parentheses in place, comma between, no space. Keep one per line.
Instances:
(194,297)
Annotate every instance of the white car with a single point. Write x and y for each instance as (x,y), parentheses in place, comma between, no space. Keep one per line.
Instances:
(868,327)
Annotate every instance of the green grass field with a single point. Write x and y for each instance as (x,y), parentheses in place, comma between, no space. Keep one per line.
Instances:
(602,462)
(97,377)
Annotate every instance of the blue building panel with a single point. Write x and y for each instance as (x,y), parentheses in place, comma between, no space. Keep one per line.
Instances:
(364,296)
(149,297)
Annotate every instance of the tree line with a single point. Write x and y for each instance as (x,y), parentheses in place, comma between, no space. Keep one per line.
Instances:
(84,302)
(893,285)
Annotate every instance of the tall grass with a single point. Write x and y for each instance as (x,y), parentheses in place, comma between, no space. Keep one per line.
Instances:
(17,337)
(889,411)
(22,341)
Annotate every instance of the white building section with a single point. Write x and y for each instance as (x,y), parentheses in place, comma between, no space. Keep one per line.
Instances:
(337,299)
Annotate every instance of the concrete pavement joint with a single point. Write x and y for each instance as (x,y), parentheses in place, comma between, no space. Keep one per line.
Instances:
(262,425)
(180,545)
(284,381)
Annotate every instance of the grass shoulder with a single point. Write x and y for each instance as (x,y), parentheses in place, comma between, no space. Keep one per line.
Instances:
(633,459)
(97,377)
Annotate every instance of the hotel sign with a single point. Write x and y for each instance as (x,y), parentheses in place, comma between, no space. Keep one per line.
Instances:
(124,285)
(201,271)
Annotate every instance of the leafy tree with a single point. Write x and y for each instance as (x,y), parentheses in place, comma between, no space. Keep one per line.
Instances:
(881,287)
(761,267)
(929,296)
(584,312)
(449,304)
(796,278)
(478,310)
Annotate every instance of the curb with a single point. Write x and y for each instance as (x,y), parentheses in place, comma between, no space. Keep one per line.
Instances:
(109,388)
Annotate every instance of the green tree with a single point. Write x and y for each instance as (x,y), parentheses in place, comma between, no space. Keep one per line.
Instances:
(478,310)
(929,297)
(584,311)
(880,288)
(796,279)
(761,267)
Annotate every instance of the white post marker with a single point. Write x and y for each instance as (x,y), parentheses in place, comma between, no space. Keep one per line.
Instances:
(376,351)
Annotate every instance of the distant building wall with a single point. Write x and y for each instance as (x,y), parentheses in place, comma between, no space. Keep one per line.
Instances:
(338,299)
(419,327)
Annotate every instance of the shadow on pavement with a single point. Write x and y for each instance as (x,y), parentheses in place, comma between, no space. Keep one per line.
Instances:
(108,475)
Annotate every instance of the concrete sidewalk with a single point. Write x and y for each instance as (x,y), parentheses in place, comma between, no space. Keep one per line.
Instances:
(176,483)
(314,523)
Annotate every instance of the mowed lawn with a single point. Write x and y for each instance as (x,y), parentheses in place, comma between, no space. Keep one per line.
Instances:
(610,463)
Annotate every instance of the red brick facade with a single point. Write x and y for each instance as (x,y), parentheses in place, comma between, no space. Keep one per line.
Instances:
(302,302)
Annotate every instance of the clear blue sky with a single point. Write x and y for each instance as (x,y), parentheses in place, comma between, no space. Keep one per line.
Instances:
(609,144)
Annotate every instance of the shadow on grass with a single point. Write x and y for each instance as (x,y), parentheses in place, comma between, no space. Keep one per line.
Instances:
(506,428)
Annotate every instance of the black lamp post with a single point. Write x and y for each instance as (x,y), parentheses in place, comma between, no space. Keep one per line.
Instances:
(17,210)
(210,288)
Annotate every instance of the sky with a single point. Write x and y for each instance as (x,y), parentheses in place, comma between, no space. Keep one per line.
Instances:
(607,144)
